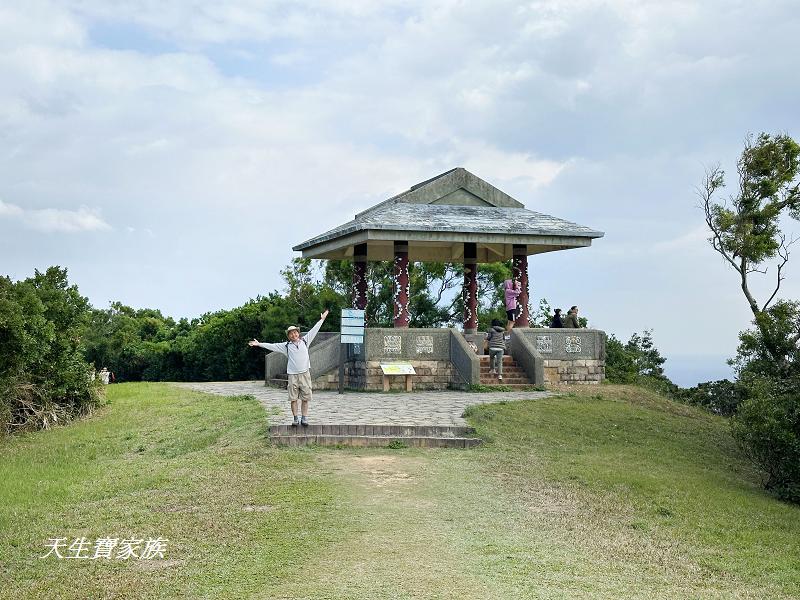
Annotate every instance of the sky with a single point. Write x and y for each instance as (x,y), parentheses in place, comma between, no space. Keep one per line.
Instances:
(170,154)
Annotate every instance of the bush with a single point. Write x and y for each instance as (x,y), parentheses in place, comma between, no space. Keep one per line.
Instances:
(767,426)
(638,361)
(721,397)
(43,376)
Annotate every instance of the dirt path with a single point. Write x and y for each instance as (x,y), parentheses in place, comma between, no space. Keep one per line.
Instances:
(437,525)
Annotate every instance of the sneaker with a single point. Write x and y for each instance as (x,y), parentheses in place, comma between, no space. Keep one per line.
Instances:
(304,422)
(500,377)
(296,421)
(491,371)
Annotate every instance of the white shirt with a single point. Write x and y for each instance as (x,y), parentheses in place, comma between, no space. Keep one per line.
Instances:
(296,352)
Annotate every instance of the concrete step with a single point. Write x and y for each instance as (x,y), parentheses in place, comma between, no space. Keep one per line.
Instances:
(512,386)
(506,369)
(424,436)
(493,380)
(506,359)
(301,439)
(393,431)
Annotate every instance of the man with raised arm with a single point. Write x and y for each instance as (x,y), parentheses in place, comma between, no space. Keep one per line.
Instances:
(298,366)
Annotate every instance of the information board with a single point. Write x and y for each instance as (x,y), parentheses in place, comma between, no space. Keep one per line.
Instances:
(352,326)
(398,369)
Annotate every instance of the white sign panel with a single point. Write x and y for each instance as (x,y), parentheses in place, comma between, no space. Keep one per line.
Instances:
(352,330)
(397,369)
(352,322)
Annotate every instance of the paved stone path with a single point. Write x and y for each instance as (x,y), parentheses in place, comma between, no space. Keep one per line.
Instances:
(365,408)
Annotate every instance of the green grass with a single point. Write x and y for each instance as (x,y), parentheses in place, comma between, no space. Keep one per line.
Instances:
(663,482)
(611,492)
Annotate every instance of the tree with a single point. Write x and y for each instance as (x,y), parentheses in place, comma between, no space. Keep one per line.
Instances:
(767,426)
(747,234)
(43,376)
(435,298)
(636,361)
(746,231)
(543,316)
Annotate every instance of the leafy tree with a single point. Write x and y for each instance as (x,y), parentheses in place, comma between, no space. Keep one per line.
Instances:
(746,230)
(747,234)
(767,426)
(543,315)
(491,296)
(637,361)
(620,364)
(43,376)
(777,334)
(721,397)
(435,298)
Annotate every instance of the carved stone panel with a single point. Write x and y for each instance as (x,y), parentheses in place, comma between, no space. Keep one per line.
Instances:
(544,344)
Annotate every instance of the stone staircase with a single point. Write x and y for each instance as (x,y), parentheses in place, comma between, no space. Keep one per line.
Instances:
(513,375)
(424,436)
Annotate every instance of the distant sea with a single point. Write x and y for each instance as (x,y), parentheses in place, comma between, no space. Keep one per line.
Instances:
(688,370)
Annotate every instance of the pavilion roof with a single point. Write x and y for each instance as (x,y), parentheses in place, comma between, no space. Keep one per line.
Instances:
(438,215)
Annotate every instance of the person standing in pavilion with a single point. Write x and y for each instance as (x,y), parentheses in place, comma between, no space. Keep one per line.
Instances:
(298,366)
(512,290)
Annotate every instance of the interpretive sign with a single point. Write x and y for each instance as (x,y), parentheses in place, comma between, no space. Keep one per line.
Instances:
(398,369)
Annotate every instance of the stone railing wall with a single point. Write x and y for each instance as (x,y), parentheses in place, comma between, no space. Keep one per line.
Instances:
(274,365)
(573,356)
(444,359)
(524,352)
(324,355)
(441,358)
(466,364)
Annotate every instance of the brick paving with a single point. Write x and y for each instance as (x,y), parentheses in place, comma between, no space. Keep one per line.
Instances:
(367,408)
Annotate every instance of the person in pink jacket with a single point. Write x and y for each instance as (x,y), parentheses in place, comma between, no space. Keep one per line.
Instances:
(512,290)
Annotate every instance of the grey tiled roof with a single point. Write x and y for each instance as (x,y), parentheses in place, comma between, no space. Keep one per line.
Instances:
(401,216)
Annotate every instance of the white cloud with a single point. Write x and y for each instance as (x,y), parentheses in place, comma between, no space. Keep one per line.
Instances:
(10,210)
(50,220)
(221,134)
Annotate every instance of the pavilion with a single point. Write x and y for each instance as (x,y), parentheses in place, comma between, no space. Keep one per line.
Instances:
(453,217)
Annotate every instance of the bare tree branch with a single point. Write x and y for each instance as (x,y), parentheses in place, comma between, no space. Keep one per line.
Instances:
(783,252)
(710,183)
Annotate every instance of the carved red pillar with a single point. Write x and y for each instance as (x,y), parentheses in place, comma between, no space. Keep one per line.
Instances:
(359,291)
(401,286)
(469,292)
(519,266)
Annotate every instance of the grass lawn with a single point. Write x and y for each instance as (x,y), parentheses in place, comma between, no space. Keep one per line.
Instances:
(602,493)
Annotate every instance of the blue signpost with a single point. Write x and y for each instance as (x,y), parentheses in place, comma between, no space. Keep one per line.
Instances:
(352,332)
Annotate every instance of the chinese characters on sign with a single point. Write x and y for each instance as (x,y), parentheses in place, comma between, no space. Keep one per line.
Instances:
(108,548)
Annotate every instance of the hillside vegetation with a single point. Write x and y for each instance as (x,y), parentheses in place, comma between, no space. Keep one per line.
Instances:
(602,493)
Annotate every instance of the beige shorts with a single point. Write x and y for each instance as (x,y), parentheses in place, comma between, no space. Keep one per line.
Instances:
(300,386)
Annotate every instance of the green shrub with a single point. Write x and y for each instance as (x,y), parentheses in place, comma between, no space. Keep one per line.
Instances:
(43,376)
(767,426)
(721,397)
